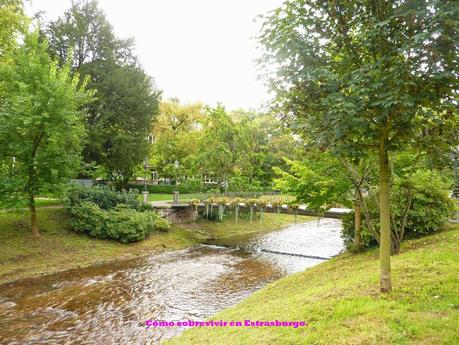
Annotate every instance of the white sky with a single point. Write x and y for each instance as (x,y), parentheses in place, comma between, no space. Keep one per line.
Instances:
(197,50)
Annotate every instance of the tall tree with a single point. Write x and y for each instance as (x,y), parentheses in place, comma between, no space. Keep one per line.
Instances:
(12,22)
(41,122)
(85,33)
(126,104)
(176,133)
(119,121)
(360,76)
(221,145)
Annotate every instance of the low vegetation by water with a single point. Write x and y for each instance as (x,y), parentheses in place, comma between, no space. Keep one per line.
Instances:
(60,248)
(341,303)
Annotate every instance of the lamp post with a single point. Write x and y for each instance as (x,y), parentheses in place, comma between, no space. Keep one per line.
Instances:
(145,189)
(176,192)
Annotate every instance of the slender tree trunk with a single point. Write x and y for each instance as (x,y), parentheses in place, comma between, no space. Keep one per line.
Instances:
(384,211)
(357,226)
(33,215)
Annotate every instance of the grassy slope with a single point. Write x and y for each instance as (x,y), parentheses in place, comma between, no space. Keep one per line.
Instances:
(340,301)
(59,248)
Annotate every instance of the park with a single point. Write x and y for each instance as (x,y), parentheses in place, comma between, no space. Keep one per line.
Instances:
(204,172)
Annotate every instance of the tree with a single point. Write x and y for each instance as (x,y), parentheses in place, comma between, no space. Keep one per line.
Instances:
(125,107)
(85,33)
(176,132)
(360,77)
(221,145)
(119,121)
(12,22)
(41,123)
(322,180)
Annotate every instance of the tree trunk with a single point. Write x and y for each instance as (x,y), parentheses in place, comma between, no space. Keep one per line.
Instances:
(357,245)
(384,211)
(33,216)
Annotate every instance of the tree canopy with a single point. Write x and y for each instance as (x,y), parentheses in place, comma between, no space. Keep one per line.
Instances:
(118,122)
(365,77)
(41,123)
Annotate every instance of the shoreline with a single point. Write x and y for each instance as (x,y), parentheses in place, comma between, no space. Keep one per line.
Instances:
(340,303)
(60,250)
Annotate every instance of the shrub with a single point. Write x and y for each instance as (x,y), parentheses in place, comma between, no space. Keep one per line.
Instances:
(128,225)
(89,218)
(430,209)
(243,184)
(102,196)
(105,214)
(162,225)
(191,185)
(431,205)
(347,232)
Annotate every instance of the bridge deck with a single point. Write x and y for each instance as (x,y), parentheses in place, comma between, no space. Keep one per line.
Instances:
(302,211)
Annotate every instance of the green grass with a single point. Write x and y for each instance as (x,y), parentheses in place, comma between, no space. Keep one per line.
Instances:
(43,202)
(59,248)
(340,301)
(39,202)
(169,197)
(201,196)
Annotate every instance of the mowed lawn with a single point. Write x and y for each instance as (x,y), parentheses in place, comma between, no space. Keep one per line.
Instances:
(339,300)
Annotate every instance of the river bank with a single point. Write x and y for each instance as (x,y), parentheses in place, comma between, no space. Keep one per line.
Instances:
(339,300)
(60,249)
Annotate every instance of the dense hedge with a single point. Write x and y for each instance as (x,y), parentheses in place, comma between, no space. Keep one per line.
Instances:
(106,214)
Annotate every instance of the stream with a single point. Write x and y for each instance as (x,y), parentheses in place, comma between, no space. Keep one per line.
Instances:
(109,304)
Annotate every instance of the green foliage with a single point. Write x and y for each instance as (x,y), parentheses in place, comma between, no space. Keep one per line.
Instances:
(103,197)
(12,23)
(127,225)
(87,217)
(128,103)
(119,121)
(41,122)
(162,225)
(347,232)
(431,206)
(243,184)
(430,209)
(191,185)
(319,181)
(106,214)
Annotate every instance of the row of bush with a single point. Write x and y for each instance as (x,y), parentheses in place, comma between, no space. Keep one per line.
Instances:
(195,185)
(105,214)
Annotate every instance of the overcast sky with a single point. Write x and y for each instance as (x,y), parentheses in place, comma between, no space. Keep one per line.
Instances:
(197,50)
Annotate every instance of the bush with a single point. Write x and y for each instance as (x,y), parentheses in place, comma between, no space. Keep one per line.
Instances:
(431,208)
(347,232)
(105,214)
(431,205)
(128,225)
(102,196)
(89,218)
(243,184)
(192,185)
(162,225)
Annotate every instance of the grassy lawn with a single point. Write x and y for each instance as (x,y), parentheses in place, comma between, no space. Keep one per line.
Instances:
(59,248)
(169,197)
(187,197)
(39,202)
(340,301)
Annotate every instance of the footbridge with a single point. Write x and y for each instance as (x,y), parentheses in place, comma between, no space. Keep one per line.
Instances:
(184,212)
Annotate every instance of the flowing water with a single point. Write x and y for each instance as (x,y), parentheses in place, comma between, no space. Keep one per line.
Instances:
(109,304)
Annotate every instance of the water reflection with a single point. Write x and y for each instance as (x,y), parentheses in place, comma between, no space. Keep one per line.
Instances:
(109,304)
